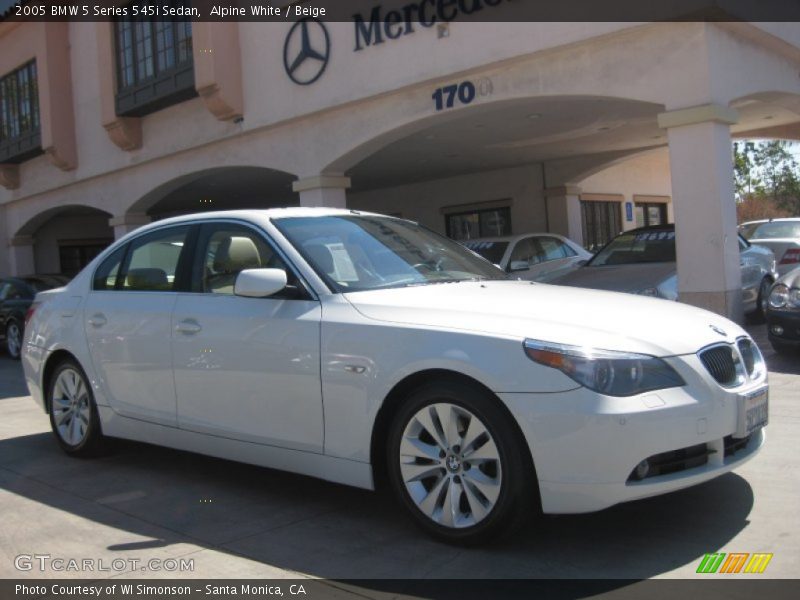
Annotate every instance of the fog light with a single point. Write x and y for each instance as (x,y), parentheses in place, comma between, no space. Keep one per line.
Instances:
(777,329)
(642,469)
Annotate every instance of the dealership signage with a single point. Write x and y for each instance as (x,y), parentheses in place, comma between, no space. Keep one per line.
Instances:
(381,25)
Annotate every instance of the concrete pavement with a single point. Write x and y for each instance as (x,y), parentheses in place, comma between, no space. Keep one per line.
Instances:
(235,521)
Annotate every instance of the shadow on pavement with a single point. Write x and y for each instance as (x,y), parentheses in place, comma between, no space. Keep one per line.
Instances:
(331,531)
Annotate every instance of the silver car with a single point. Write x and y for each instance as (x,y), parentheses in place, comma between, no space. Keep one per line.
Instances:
(782,236)
(533,256)
(642,261)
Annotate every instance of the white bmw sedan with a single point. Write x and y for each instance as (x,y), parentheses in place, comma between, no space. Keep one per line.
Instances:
(365,349)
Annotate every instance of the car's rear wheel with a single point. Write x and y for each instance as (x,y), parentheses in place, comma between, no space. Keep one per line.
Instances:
(73,412)
(13,339)
(457,463)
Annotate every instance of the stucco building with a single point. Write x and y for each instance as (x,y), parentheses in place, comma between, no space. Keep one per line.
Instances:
(471,128)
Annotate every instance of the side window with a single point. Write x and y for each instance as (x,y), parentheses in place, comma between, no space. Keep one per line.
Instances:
(524,251)
(152,262)
(553,248)
(4,287)
(225,251)
(13,292)
(105,277)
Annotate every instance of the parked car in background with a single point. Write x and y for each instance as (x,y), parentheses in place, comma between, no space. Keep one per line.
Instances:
(782,236)
(16,296)
(534,256)
(642,261)
(783,313)
(361,348)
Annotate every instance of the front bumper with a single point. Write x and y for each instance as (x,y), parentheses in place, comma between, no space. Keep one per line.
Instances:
(789,323)
(585,446)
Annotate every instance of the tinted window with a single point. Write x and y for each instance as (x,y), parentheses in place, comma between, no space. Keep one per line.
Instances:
(491,251)
(637,247)
(152,262)
(226,251)
(105,277)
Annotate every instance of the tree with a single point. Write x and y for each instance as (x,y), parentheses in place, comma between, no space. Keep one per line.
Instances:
(767,179)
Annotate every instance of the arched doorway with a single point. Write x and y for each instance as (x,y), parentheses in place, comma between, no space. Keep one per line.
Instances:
(62,240)
(223,188)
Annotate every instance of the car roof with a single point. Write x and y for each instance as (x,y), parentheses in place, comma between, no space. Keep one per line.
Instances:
(511,238)
(777,219)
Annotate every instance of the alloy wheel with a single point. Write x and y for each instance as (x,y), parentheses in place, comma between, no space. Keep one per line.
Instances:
(71,407)
(13,340)
(450,465)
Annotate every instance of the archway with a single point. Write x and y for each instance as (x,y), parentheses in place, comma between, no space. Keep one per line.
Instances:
(61,240)
(222,188)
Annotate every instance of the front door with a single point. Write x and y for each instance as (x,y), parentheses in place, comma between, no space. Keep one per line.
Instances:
(246,368)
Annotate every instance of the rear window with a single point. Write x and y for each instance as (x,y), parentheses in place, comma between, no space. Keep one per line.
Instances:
(491,251)
(774,230)
(637,247)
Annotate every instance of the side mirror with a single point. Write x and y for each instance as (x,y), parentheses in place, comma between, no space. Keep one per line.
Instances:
(580,263)
(518,265)
(259,283)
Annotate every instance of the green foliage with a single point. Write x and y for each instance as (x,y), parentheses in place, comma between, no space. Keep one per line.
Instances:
(767,170)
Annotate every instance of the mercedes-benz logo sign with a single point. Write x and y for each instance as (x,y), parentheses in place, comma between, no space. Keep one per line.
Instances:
(306,51)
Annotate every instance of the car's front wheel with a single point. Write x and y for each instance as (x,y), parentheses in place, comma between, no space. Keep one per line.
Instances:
(458,464)
(13,339)
(759,315)
(73,412)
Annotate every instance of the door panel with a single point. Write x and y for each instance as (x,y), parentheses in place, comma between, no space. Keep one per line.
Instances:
(128,318)
(129,342)
(246,368)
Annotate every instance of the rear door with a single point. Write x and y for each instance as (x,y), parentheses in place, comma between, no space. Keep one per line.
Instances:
(247,368)
(128,322)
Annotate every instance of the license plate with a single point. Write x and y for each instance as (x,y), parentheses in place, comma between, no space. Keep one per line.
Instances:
(753,412)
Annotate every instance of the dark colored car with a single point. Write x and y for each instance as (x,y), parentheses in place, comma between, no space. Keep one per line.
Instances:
(783,313)
(16,296)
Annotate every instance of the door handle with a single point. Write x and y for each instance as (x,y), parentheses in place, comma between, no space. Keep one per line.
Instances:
(188,326)
(97,320)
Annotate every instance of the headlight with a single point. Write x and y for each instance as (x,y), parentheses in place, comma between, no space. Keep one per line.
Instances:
(779,296)
(605,371)
(794,298)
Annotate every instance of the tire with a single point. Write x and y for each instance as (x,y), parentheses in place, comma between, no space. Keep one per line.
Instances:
(73,412)
(783,348)
(13,339)
(759,315)
(428,475)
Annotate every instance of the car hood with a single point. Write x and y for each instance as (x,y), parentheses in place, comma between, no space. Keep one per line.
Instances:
(619,278)
(522,309)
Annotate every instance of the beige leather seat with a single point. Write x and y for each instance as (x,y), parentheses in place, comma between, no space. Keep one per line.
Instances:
(234,254)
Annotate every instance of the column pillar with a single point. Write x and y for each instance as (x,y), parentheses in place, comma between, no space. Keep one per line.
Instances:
(22,260)
(707,247)
(323,190)
(124,224)
(564,211)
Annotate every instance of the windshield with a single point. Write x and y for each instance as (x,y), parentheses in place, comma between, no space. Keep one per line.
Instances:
(354,253)
(491,251)
(774,230)
(636,248)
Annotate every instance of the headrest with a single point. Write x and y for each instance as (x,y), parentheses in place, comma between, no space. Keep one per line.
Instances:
(236,254)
